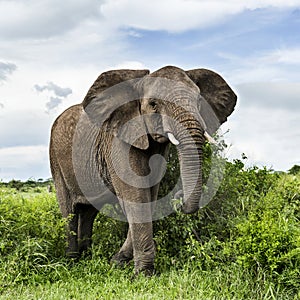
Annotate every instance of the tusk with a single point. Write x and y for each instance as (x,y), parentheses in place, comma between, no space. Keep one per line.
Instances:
(209,138)
(172,139)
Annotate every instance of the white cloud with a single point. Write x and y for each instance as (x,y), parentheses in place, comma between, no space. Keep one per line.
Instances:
(50,35)
(57,90)
(94,43)
(24,162)
(282,95)
(53,103)
(180,15)
(283,56)
(6,69)
(265,125)
(279,65)
(43,18)
(21,127)
(129,65)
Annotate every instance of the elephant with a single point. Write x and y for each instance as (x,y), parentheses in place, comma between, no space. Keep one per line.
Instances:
(96,149)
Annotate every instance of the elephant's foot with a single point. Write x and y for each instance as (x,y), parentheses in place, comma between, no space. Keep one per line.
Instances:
(144,264)
(148,272)
(85,247)
(121,259)
(72,255)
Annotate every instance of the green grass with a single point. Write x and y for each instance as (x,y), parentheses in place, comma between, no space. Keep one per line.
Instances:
(244,245)
(96,279)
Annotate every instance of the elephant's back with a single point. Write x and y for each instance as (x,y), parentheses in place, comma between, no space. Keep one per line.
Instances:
(66,122)
(61,144)
(62,132)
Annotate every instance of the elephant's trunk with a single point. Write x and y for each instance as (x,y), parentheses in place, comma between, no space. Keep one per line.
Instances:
(190,139)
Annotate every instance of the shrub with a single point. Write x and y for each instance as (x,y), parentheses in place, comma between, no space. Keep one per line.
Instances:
(32,235)
(294,170)
(252,223)
(269,237)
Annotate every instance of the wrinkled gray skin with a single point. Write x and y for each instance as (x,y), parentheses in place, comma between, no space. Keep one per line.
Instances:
(139,244)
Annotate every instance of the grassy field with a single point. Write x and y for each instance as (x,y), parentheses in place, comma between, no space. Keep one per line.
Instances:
(244,245)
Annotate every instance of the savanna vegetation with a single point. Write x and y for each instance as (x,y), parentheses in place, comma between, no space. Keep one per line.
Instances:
(245,244)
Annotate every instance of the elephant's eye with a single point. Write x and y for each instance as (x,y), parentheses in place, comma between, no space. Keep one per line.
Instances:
(153,104)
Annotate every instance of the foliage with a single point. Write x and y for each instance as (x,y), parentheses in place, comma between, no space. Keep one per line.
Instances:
(245,244)
(253,222)
(31,229)
(294,170)
(30,184)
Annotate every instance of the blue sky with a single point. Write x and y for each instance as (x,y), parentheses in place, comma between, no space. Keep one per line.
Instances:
(52,51)
(248,34)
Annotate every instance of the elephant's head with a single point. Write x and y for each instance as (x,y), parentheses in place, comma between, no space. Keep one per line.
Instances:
(183,107)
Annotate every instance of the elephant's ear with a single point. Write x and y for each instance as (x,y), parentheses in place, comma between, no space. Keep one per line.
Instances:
(218,95)
(112,102)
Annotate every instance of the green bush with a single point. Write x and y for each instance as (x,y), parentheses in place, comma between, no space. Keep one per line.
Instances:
(108,236)
(269,236)
(294,170)
(251,227)
(253,221)
(32,235)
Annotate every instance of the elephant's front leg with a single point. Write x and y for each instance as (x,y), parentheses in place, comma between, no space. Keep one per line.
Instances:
(139,216)
(125,254)
(140,234)
(130,175)
(138,244)
(143,247)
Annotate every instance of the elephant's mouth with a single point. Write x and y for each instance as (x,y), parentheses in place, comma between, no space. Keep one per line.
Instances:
(160,138)
(167,137)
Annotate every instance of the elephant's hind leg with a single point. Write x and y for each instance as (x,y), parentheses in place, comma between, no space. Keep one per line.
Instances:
(87,215)
(72,236)
(68,212)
